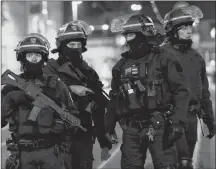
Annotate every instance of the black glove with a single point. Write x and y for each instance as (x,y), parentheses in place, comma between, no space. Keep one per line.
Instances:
(212,129)
(114,137)
(12,162)
(175,131)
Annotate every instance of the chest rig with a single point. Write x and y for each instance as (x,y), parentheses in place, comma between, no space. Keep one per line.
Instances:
(142,83)
(46,117)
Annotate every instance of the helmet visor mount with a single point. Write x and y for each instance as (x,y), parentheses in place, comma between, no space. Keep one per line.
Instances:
(133,23)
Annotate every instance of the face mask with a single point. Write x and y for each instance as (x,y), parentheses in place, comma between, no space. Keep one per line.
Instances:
(33,69)
(72,51)
(138,46)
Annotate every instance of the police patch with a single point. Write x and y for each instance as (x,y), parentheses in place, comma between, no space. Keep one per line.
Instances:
(178,67)
(33,40)
(74,28)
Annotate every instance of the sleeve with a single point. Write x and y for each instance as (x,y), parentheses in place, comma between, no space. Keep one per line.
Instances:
(66,98)
(5,111)
(206,103)
(179,88)
(111,116)
(7,107)
(98,118)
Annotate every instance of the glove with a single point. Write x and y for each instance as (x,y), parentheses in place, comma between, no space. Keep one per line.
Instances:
(174,133)
(212,129)
(12,162)
(20,97)
(80,90)
(105,155)
(112,138)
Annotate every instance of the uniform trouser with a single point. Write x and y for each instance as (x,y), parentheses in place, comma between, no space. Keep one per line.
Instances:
(135,145)
(46,158)
(191,133)
(80,155)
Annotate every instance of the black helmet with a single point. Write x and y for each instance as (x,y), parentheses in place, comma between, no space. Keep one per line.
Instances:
(134,23)
(33,42)
(75,30)
(181,16)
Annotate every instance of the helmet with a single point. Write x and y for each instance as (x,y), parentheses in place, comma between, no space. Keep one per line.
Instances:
(180,4)
(33,42)
(133,23)
(180,16)
(73,30)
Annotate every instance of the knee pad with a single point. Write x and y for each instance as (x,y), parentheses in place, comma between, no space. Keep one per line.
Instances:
(185,164)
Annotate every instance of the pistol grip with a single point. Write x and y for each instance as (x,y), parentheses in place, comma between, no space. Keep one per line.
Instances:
(34,113)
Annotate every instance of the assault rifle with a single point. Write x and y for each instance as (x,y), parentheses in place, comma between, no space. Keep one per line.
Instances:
(40,100)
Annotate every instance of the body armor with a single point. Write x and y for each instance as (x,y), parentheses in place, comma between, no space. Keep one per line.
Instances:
(142,84)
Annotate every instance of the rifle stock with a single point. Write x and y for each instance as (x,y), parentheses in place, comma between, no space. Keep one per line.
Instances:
(40,100)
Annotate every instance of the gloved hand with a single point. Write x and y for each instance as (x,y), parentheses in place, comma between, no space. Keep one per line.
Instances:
(12,162)
(114,137)
(19,97)
(212,129)
(175,132)
(80,90)
(105,155)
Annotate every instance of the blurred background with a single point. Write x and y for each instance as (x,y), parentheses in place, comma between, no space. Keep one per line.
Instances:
(104,47)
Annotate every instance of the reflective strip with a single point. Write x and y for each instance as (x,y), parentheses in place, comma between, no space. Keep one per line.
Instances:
(25,46)
(180,17)
(71,33)
(138,24)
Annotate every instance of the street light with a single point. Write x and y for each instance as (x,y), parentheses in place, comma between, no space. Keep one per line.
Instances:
(212,33)
(92,27)
(105,27)
(136,7)
(75,9)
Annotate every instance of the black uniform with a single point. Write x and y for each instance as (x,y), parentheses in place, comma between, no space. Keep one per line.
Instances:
(195,70)
(36,141)
(82,142)
(141,114)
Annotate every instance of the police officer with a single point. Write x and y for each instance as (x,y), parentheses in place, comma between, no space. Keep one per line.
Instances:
(34,143)
(74,71)
(149,94)
(178,26)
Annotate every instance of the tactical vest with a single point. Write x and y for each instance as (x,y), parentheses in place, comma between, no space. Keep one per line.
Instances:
(47,122)
(143,84)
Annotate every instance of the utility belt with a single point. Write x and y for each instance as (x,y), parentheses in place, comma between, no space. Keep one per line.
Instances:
(157,119)
(35,144)
(137,123)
